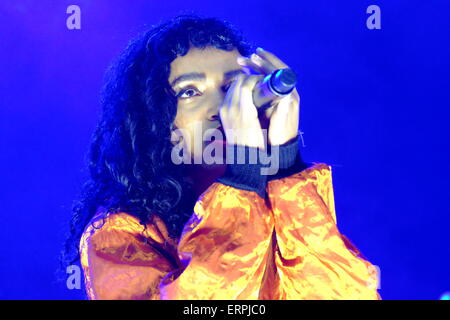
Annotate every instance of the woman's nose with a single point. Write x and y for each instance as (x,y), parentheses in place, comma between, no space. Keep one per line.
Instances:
(215,103)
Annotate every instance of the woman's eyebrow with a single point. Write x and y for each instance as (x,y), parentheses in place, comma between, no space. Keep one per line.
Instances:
(188,76)
(201,76)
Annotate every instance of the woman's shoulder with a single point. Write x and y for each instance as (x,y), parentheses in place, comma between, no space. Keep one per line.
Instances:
(116,228)
(122,258)
(313,171)
(319,169)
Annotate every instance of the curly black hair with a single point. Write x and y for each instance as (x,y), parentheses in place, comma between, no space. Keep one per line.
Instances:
(129,158)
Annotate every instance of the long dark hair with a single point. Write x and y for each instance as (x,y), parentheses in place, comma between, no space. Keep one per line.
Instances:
(129,158)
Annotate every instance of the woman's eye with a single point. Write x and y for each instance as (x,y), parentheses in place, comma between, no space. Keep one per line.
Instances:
(187,93)
(192,92)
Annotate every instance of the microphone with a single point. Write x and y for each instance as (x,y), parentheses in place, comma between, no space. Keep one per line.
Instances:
(276,85)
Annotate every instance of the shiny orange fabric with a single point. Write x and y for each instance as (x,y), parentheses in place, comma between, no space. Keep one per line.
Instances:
(236,246)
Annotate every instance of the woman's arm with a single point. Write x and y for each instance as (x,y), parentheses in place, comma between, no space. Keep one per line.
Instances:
(225,244)
(122,261)
(314,259)
(222,252)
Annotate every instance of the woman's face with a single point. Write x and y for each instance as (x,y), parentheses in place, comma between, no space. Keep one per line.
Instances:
(200,80)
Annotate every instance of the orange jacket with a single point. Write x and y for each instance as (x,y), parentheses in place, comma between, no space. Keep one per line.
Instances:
(235,246)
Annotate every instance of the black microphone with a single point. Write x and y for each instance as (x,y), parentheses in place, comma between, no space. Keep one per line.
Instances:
(276,85)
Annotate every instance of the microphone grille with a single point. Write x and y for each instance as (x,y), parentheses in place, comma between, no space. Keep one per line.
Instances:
(283,80)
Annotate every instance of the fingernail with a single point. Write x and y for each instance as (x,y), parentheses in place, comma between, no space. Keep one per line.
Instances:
(255,57)
(240,60)
(259,49)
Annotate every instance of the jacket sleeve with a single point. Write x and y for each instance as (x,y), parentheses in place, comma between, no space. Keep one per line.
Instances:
(314,260)
(118,261)
(221,253)
(225,244)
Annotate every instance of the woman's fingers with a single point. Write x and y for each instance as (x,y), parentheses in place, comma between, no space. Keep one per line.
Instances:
(250,66)
(239,115)
(256,64)
(241,89)
(262,62)
(233,93)
(277,63)
(282,116)
(247,92)
(271,58)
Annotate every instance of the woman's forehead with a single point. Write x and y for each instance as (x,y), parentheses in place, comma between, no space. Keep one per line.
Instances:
(208,60)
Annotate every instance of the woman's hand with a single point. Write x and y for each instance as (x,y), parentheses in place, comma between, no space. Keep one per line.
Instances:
(283,113)
(239,115)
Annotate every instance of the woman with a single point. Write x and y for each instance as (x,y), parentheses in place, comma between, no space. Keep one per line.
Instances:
(150,227)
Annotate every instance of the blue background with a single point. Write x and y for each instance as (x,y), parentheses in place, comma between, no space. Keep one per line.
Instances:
(374,105)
